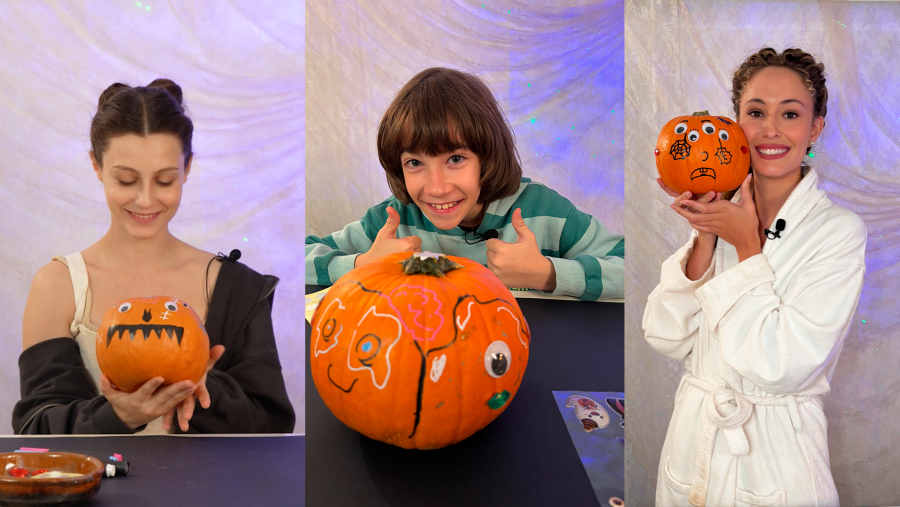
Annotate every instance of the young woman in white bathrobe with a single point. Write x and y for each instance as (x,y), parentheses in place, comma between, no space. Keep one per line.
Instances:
(758,315)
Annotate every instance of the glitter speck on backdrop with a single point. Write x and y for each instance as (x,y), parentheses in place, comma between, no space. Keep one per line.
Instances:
(557,72)
(240,65)
(680,57)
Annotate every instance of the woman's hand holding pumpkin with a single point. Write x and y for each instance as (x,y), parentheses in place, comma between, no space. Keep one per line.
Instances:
(185,409)
(387,242)
(521,264)
(687,196)
(702,254)
(737,224)
(148,402)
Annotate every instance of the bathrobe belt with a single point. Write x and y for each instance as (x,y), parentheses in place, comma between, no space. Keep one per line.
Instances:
(728,410)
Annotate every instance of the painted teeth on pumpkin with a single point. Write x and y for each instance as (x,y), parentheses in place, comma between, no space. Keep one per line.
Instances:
(146,329)
(703,172)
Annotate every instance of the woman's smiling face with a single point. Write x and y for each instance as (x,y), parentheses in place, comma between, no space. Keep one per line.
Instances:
(778,119)
(142,178)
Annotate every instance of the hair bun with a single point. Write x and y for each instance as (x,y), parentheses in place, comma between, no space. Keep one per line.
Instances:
(168,85)
(109,92)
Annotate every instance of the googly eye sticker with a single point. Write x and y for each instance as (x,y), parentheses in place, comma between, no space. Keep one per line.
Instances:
(496,359)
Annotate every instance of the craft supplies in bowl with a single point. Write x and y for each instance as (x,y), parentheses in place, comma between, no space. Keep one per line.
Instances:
(56,479)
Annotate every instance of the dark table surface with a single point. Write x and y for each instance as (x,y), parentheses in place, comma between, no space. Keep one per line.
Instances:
(186,471)
(523,458)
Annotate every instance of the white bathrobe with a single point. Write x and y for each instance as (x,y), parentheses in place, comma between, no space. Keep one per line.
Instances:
(760,340)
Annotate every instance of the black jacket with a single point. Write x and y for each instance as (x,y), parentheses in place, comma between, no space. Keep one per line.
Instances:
(246,388)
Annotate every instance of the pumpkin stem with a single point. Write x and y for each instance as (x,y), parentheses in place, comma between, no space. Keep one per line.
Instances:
(427,263)
(701,113)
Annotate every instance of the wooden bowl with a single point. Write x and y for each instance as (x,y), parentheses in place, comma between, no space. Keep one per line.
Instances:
(57,492)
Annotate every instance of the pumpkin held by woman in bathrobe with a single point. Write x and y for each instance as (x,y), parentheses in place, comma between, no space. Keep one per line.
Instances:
(758,314)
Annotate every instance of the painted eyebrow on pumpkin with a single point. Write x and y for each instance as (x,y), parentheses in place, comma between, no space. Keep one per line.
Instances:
(783,102)
(126,168)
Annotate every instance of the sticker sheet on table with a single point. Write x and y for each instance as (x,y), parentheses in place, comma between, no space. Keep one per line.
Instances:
(596,424)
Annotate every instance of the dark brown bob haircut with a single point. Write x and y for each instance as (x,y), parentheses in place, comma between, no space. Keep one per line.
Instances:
(441,110)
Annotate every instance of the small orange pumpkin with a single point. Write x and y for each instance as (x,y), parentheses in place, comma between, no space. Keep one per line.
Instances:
(419,351)
(702,152)
(142,338)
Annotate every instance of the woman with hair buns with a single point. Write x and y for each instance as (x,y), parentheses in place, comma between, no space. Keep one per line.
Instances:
(141,153)
(757,304)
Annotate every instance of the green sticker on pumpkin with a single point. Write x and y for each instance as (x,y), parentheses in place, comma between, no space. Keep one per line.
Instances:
(498,400)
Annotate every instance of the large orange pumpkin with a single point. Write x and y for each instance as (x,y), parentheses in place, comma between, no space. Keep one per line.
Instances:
(419,351)
(142,338)
(702,153)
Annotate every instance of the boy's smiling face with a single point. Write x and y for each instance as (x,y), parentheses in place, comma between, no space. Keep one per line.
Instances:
(445,186)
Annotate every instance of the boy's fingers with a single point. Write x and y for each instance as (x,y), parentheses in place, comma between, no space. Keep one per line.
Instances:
(413,241)
(390,225)
(520,226)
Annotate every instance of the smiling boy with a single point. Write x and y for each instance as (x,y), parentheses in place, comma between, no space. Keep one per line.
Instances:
(454,172)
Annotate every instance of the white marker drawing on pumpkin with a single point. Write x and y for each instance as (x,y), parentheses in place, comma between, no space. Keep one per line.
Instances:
(462,325)
(319,329)
(387,355)
(518,324)
(437,367)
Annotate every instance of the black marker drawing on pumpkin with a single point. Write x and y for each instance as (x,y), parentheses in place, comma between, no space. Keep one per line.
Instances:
(366,344)
(703,172)
(457,333)
(365,352)
(723,154)
(335,383)
(680,149)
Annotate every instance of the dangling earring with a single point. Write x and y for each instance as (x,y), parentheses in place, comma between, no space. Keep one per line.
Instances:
(810,148)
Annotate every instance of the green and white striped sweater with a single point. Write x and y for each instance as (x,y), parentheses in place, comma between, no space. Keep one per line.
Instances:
(589,259)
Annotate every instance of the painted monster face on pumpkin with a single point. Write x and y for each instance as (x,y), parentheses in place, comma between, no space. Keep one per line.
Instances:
(702,153)
(418,361)
(142,338)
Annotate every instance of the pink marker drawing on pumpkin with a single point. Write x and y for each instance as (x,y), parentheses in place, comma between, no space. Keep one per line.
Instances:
(424,305)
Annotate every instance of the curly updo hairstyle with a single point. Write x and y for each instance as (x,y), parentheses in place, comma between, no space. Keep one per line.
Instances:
(804,64)
(142,110)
